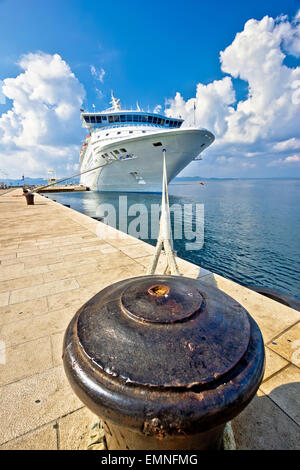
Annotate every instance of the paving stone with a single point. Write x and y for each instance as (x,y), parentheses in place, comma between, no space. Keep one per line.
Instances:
(71,264)
(35,401)
(7,256)
(69,271)
(138,250)
(109,249)
(22,310)
(39,326)
(274,363)
(21,282)
(288,345)
(44,438)
(71,299)
(16,271)
(124,240)
(109,276)
(57,347)
(31,293)
(208,279)
(264,426)
(25,360)
(284,390)
(10,262)
(75,428)
(117,260)
(4,297)
(272,317)
(41,260)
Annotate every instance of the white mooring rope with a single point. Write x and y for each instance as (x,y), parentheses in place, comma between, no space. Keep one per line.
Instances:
(165,239)
(39,188)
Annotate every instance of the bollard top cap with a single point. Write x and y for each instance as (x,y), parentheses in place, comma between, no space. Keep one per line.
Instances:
(162,331)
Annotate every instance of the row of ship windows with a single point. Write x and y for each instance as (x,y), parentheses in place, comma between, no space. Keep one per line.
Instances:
(114,152)
(120,151)
(110,156)
(130,132)
(132,118)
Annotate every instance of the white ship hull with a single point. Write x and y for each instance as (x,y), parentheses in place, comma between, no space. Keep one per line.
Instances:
(141,169)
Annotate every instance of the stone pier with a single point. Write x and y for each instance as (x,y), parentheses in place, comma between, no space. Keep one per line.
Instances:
(53,259)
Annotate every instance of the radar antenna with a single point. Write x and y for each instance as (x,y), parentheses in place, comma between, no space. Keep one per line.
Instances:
(115,102)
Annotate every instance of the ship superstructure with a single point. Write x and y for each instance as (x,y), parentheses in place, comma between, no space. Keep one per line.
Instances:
(130,144)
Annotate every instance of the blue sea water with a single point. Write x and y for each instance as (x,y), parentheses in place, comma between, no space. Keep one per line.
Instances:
(251,227)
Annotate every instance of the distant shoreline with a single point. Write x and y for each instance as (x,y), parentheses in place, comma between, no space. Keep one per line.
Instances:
(201,178)
(184,179)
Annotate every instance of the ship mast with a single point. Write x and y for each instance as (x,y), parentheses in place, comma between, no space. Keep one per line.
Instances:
(115,102)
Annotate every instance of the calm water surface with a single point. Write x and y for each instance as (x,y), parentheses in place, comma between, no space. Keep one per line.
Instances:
(251,227)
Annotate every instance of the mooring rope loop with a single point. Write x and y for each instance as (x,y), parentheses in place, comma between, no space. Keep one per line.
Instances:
(165,239)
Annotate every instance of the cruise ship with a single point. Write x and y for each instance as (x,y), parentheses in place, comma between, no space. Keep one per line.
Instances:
(126,146)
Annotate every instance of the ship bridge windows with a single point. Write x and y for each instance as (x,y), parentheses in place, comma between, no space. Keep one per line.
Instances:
(136,118)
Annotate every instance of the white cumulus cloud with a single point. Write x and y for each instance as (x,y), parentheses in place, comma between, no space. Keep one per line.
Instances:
(2,95)
(98,74)
(157,109)
(267,120)
(292,159)
(41,129)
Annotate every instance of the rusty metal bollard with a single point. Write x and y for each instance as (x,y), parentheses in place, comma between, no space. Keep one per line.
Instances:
(164,361)
(29,198)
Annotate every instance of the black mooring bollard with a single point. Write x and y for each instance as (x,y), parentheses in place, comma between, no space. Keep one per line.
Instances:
(29,199)
(164,361)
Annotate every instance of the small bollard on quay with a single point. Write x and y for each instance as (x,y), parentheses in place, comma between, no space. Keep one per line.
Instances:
(164,361)
(29,198)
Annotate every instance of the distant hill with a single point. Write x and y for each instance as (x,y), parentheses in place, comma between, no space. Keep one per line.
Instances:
(198,178)
(179,179)
(20,182)
(31,181)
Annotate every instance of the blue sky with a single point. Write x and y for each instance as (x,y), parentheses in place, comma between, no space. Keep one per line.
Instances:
(147,51)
